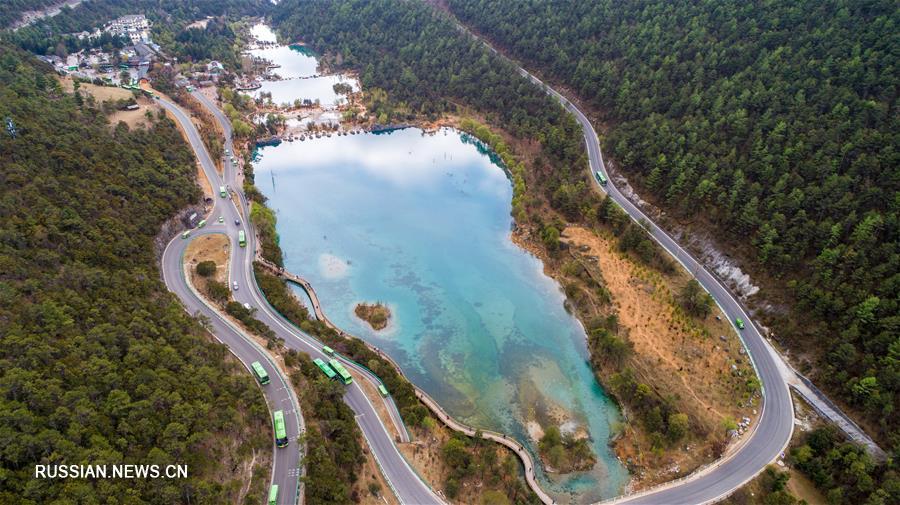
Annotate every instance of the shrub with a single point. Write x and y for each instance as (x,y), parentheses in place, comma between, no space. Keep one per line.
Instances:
(206,268)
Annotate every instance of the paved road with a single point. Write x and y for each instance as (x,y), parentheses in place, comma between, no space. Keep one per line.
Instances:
(404,481)
(320,315)
(279,396)
(776,421)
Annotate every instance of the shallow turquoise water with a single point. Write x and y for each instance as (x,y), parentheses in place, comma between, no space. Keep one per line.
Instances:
(422,223)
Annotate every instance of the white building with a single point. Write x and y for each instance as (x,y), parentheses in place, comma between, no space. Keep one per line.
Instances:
(134,26)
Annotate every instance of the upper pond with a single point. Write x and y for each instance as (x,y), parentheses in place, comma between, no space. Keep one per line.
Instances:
(297,68)
(422,223)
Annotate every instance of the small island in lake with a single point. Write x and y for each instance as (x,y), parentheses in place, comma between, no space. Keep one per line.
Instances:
(565,453)
(376,314)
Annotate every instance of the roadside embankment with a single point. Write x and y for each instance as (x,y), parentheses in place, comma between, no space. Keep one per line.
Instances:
(414,404)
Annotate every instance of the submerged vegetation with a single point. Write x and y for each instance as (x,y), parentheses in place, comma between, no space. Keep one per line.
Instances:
(420,64)
(775,123)
(278,294)
(469,461)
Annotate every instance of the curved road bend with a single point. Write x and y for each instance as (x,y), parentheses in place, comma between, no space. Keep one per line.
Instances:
(231,175)
(403,480)
(776,421)
(279,395)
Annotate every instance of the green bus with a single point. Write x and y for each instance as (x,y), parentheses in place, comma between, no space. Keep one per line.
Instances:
(383,390)
(342,372)
(242,239)
(260,372)
(273,495)
(324,368)
(202,223)
(328,350)
(600,178)
(281,439)
(222,192)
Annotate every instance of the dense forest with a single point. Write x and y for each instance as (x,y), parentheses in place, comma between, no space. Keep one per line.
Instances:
(427,66)
(844,471)
(98,362)
(776,123)
(168,18)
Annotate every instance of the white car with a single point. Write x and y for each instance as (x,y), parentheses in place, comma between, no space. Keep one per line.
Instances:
(247,306)
(235,285)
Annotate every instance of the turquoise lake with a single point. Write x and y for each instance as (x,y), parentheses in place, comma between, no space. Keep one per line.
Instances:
(422,223)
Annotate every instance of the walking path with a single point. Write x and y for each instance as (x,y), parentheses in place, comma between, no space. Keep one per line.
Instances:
(429,402)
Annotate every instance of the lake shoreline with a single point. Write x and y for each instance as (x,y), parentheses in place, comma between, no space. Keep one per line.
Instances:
(559,483)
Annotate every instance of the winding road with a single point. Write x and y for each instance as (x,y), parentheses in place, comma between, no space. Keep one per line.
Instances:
(769,438)
(776,421)
(279,395)
(775,425)
(401,477)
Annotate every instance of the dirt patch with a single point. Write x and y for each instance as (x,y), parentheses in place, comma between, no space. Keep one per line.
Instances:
(137,118)
(203,181)
(803,488)
(100,93)
(200,24)
(213,248)
(424,454)
(237,203)
(700,364)
(133,118)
